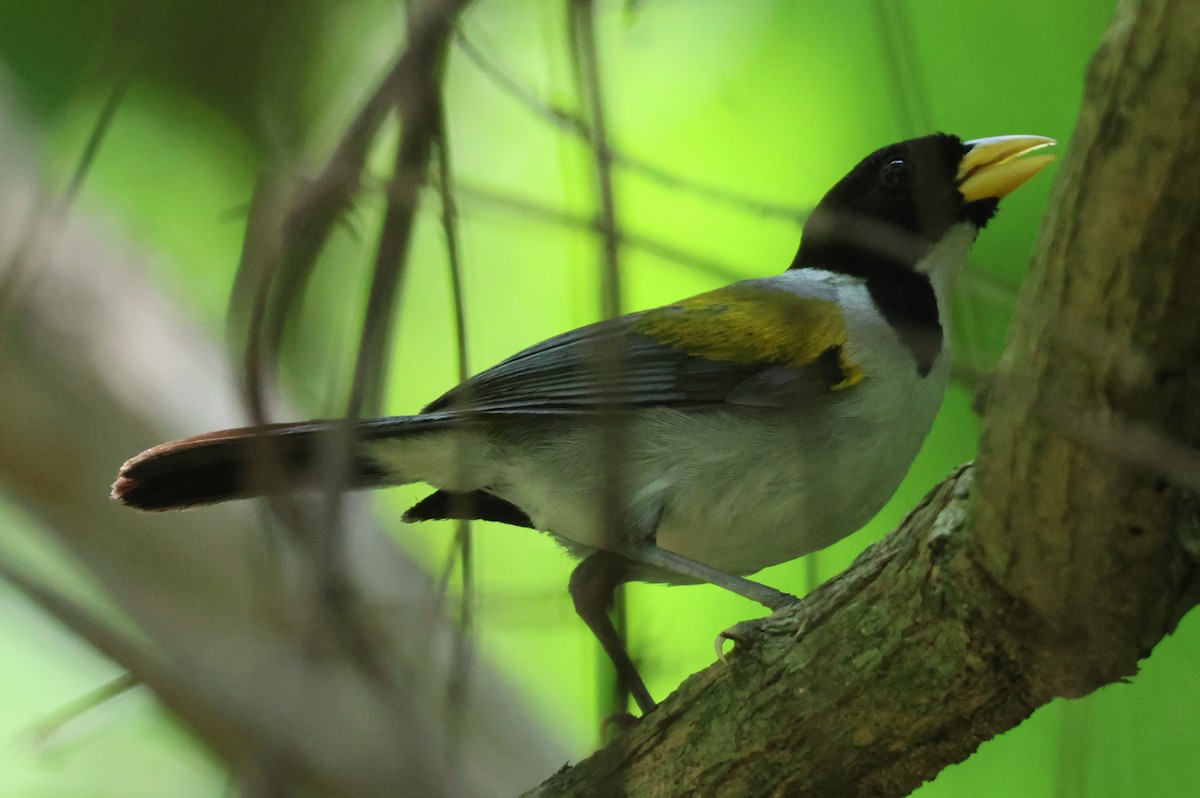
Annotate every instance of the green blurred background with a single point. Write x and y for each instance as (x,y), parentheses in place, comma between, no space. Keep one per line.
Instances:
(768,99)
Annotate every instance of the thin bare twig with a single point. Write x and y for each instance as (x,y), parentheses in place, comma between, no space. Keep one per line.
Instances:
(462,549)
(549,215)
(33,246)
(577,126)
(281,264)
(449,219)
(588,72)
(910,99)
(119,647)
(416,99)
(320,204)
(53,723)
(582,40)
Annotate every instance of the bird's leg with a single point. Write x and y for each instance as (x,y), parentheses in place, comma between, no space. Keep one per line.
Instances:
(592,584)
(769,597)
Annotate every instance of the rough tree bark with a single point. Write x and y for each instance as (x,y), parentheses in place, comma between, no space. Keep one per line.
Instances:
(1055,568)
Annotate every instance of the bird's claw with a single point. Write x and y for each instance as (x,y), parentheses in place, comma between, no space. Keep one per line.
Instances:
(743,633)
(740,634)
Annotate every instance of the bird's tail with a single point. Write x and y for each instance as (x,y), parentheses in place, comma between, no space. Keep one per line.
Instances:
(256,461)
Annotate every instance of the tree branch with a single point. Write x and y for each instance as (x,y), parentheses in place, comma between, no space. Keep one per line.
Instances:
(95,363)
(1078,550)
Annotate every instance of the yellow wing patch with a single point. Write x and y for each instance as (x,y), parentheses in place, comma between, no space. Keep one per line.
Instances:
(745,324)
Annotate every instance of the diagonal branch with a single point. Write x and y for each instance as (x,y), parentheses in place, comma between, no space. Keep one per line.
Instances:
(1071,556)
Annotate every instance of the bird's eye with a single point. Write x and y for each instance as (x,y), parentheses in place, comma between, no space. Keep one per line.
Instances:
(896,174)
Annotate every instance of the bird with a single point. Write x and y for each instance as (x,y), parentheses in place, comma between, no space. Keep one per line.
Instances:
(696,442)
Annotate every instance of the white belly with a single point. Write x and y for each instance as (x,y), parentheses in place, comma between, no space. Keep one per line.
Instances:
(737,489)
(772,493)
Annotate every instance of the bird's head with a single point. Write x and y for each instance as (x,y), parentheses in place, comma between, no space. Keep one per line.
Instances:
(902,200)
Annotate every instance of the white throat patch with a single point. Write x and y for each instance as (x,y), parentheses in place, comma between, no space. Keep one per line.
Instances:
(945,261)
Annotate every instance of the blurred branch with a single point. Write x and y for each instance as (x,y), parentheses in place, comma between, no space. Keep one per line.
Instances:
(27,253)
(587,64)
(909,95)
(576,125)
(280,252)
(463,549)
(319,205)
(96,363)
(418,103)
(554,216)
(52,724)
(1049,571)
(581,24)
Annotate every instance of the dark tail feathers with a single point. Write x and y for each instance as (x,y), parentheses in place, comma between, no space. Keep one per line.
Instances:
(253,461)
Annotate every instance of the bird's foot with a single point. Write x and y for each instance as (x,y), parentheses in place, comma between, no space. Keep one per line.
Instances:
(740,634)
(743,633)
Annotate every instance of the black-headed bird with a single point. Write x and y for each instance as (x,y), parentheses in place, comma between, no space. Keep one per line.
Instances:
(696,442)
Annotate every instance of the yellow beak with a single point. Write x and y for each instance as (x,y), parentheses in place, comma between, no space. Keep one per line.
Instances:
(992,168)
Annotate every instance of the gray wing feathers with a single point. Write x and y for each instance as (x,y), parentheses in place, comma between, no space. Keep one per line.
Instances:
(562,376)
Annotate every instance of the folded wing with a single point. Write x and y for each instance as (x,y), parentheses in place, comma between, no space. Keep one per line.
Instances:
(747,344)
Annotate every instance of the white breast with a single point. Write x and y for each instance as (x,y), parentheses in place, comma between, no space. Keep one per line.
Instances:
(757,491)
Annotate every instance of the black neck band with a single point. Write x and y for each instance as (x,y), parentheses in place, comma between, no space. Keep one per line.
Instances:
(904,296)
